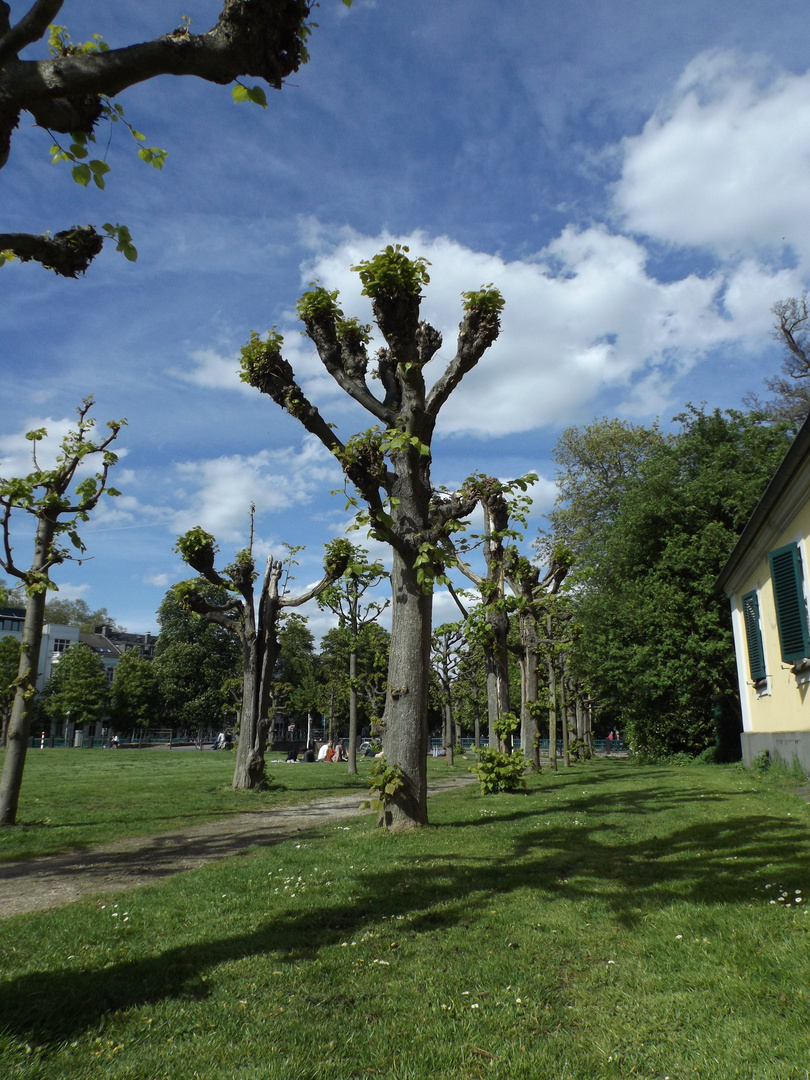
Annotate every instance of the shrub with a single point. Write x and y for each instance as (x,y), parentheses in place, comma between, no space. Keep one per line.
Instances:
(499,772)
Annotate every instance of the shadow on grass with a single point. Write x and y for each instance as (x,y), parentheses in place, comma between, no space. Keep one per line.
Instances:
(709,863)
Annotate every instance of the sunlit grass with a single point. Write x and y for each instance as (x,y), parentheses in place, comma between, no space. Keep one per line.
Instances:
(612,922)
(76,798)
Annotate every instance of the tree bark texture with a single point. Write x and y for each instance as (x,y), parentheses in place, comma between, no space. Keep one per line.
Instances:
(19,727)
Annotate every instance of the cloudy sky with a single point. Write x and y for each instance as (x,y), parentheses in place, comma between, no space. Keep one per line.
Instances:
(632,176)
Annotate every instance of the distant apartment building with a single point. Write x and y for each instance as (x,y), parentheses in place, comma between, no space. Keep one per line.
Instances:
(56,640)
(110,645)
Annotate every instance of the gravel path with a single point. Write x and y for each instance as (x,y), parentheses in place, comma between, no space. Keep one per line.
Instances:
(54,880)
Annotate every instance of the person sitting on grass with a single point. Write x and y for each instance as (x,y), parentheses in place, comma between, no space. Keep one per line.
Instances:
(326,752)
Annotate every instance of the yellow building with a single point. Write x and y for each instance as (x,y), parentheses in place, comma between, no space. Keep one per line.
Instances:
(767,581)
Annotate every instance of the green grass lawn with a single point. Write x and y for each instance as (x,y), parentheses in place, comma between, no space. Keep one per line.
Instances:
(76,798)
(614,921)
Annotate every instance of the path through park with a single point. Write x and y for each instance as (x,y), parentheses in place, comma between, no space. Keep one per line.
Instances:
(38,884)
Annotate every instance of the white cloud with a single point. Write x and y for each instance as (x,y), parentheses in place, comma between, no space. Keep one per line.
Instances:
(583,317)
(217,492)
(68,591)
(161,581)
(213,371)
(723,163)
(16,452)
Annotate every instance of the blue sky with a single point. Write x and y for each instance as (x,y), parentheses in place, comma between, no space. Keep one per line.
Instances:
(633,177)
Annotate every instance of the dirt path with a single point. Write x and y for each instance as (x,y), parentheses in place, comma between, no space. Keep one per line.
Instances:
(54,880)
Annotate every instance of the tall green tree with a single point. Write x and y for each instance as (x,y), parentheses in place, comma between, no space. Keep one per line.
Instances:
(389,466)
(11,595)
(135,697)
(654,643)
(197,665)
(595,464)
(57,503)
(372,649)
(69,93)
(78,690)
(296,666)
(78,613)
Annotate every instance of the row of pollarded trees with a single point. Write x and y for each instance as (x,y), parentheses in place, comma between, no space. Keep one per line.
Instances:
(562,711)
(388,467)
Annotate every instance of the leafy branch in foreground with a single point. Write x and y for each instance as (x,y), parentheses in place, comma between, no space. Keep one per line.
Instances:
(69,91)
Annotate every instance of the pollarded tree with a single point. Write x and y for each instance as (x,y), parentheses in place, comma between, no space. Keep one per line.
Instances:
(534,589)
(255,624)
(346,599)
(77,691)
(58,505)
(389,466)
(70,91)
(488,623)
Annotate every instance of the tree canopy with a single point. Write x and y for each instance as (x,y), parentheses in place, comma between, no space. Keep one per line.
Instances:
(77,690)
(79,613)
(652,637)
(197,665)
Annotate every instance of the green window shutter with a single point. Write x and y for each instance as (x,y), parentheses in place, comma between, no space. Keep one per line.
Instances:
(791,611)
(756,653)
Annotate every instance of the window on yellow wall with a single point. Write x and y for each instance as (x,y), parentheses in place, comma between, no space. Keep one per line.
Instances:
(791,608)
(753,637)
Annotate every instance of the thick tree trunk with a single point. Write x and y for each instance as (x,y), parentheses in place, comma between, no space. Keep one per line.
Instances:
(250,751)
(405,734)
(496,661)
(19,727)
(448,731)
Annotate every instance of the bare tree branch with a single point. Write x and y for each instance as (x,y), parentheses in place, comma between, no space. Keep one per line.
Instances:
(477,331)
(346,362)
(68,253)
(30,28)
